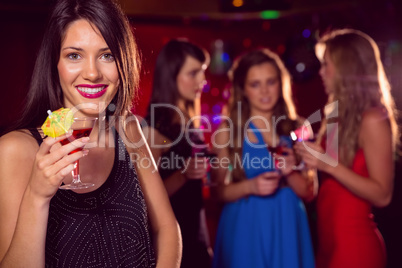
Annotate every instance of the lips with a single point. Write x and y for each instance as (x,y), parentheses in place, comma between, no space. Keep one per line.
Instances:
(91,91)
(265,100)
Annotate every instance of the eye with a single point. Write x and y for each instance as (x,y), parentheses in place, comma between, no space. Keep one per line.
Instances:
(255,84)
(272,82)
(73,56)
(193,73)
(108,57)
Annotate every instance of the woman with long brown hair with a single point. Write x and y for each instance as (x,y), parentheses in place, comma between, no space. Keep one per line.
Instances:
(263,221)
(88,61)
(179,77)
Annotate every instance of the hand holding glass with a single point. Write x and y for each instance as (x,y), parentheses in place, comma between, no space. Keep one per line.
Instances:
(81,127)
(299,135)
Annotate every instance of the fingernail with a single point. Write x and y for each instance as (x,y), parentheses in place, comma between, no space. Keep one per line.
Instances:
(85,139)
(85,152)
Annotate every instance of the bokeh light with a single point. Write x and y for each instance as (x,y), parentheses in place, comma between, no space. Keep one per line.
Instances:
(217,108)
(225,57)
(300,67)
(281,49)
(269,14)
(206,88)
(226,94)
(246,42)
(306,33)
(237,3)
(216,119)
(215,92)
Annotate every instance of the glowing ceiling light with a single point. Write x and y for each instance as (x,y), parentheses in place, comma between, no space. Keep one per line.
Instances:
(237,3)
(269,14)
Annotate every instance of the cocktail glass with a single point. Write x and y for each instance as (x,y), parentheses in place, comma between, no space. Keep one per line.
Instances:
(82,127)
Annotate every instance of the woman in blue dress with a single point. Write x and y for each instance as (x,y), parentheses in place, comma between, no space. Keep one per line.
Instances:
(263,222)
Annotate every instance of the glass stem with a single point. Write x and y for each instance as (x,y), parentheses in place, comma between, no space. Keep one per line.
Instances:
(76,173)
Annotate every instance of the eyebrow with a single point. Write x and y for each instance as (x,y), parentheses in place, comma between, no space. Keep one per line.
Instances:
(80,49)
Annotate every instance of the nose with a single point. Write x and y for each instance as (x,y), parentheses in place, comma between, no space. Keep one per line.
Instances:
(265,88)
(202,80)
(91,70)
(321,72)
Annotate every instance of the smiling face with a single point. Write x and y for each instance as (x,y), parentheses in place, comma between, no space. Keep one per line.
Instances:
(262,88)
(191,79)
(87,69)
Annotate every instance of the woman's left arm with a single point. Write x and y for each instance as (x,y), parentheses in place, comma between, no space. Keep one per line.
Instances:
(376,141)
(166,232)
(375,138)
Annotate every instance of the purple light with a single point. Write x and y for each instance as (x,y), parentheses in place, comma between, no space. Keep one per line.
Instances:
(216,119)
(217,108)
(306,33)
(206,88)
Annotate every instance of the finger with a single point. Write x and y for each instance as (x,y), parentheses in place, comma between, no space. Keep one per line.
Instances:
(57,179)
(49,142)
(270,189)
(288,157)
(299,148)
(68,148)
(58,154)
(269,183)
(271,175)
(65,171)
(65,161)
(287,150)
(310,161)
(315,147)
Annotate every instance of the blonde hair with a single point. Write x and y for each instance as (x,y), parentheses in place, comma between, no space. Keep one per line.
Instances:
(360,84)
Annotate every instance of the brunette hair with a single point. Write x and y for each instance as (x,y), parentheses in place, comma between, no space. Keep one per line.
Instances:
(169,62)
(283,107)
(45,92)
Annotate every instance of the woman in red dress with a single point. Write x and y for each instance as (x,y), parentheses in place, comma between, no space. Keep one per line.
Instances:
(359,136)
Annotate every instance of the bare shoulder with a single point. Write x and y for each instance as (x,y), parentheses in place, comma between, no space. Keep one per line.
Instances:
(17,154)
(375,126)
(135,139)
(375,119)
(136,143)
(18,144)
(131,129)
(374,116)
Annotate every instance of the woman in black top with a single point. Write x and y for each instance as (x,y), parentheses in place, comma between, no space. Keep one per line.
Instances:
(178,82)
(88,62)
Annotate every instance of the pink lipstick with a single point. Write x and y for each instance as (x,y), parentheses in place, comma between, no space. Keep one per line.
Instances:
(91,91)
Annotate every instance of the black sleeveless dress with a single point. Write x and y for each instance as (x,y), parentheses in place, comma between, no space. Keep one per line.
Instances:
(105,228)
